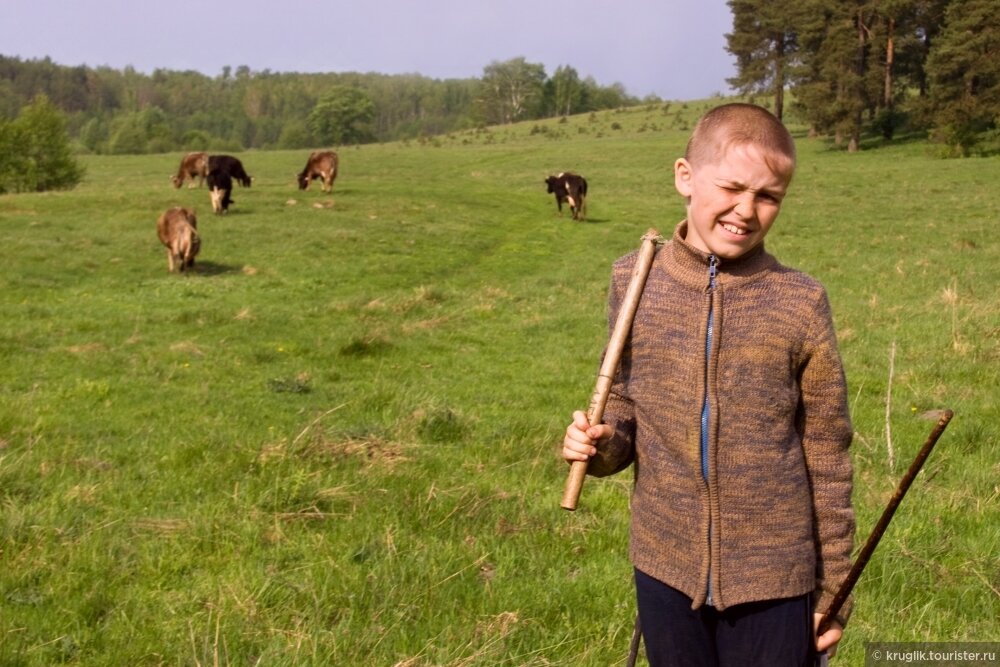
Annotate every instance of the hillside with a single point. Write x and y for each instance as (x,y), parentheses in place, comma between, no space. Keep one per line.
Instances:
(335,442)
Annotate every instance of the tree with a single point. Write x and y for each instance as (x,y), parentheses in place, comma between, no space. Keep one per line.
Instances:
(567,91)
(964,73)
(35,152)
(139,132)
(343,116)
(834,80)
(763,39)
(509,89)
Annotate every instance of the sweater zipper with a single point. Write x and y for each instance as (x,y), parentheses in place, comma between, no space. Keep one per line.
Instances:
(713,267)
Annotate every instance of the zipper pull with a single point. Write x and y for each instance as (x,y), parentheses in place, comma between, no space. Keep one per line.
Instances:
(713,270)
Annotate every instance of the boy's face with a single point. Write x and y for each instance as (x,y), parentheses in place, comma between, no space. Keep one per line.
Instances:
(732,202)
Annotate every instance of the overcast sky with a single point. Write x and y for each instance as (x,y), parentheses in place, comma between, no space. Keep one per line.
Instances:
(671,48)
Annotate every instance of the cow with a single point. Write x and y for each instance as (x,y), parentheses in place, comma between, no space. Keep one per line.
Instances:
(220,189)
(231,166)
(178,230)
(192,164)
(321,165)
(570,188)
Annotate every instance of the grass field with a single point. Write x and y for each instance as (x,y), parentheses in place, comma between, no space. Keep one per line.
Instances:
(335,442)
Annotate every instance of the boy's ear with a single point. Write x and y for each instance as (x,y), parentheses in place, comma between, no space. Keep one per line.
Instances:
(683,175)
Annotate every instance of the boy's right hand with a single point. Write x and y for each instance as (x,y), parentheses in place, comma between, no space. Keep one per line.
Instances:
(581,438)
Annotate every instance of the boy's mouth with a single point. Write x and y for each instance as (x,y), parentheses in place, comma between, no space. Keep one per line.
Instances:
(733,229)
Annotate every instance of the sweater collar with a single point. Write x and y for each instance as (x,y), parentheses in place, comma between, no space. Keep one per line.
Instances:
(691,264)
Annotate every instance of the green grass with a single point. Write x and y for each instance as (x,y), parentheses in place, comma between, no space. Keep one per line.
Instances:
(335,442)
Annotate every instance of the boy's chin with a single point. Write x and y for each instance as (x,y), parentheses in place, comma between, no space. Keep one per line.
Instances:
(732,251)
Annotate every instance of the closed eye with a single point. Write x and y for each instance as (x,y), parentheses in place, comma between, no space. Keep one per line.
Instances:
(769,197)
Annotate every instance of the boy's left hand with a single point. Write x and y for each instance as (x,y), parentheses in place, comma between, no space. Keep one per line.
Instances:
(828,640)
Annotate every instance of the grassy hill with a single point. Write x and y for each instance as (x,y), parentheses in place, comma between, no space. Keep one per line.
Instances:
(335,442)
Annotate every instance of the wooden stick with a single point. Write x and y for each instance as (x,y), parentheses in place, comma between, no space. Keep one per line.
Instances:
(606,375)
(866,552)
(633,646)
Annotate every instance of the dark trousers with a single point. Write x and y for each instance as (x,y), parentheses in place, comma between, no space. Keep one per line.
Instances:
(773,633)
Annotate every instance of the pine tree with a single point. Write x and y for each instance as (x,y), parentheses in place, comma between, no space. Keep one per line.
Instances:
(763,40)
(835,80)
(964,74)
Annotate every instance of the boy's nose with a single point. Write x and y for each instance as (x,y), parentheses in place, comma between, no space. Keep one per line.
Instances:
(746,206)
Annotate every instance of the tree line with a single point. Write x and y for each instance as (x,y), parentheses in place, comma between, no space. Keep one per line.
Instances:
(125,111)
(875,67)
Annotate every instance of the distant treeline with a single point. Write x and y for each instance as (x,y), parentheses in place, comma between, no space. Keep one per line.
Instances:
(125,111)
(857,68)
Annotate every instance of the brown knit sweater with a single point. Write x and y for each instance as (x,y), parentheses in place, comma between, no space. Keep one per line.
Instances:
(774,518)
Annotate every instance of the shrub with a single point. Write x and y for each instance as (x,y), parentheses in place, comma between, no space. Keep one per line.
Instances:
(35,152)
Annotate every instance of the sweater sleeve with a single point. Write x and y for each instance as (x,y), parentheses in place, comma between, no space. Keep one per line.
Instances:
(617,452)
(826,434)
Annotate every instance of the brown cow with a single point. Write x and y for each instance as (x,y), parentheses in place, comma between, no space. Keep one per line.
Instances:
(193,164)
(321,165)
(177,229)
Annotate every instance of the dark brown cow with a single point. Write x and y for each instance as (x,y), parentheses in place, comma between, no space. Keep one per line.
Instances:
(321,165)
(231,166)
(192,164)
(570,188)
(177,228)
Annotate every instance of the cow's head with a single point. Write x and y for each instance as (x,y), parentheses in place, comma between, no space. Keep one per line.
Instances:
(303,181)
(552,182)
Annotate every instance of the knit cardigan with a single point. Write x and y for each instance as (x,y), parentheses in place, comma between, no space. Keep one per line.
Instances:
(769,515)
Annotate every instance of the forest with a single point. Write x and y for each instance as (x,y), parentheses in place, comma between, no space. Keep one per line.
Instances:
(875,68)
(112,111)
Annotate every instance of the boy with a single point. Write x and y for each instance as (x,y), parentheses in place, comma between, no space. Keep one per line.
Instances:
(731,402)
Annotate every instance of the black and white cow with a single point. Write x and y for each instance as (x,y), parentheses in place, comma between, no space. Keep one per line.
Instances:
(572,189)
(220,189)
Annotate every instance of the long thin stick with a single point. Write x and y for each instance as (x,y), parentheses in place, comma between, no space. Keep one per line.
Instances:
(866,552)
(888,410)
(606,376)
(633,647)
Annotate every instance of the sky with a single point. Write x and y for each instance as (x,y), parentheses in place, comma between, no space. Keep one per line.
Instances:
(674,49)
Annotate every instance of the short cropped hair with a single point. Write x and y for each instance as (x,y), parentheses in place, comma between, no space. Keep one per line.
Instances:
(740,124)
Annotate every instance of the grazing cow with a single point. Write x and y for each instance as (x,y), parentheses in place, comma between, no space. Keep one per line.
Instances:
(220,189)
(192,164)
(178,230)
(321,165)
(570,188)
(231,166)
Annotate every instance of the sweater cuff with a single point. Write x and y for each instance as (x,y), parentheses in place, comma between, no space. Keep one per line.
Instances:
(613,455)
